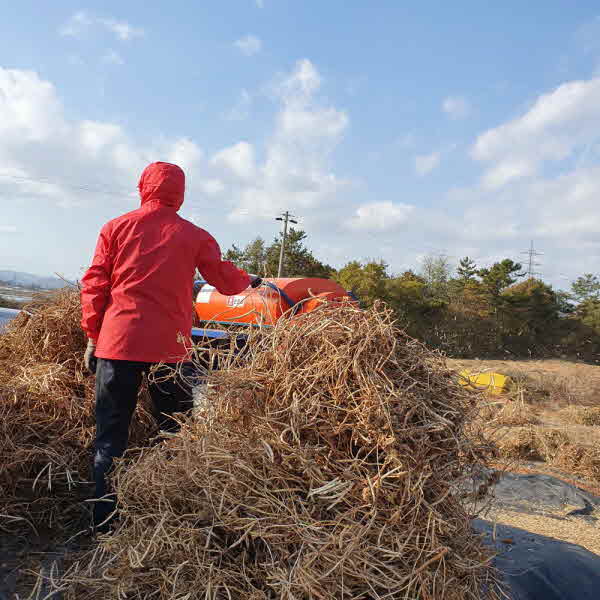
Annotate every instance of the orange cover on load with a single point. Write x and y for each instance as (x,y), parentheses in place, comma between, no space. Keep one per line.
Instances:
(264,305)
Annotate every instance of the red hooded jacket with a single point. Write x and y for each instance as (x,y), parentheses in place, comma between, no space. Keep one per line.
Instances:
(137,296)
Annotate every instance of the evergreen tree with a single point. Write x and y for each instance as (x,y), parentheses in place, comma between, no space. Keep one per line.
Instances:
(586,287)
(366,280)
(234,254)
(586,290)
(531,308)
(410,275)
(263,260)
(499,276)
(298,259)
(252,258)
(466,269)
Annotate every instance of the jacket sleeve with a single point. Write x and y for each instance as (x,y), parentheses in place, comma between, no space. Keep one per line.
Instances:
(95,290)
(224,275)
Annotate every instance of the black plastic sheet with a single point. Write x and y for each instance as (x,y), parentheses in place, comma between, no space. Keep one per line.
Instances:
(535,567)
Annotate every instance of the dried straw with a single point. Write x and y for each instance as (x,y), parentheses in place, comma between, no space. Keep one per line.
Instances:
(323,466)
(550,445)
(586,415)
(47,413)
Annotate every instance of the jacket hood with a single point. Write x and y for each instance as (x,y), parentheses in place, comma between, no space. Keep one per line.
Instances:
(164,183)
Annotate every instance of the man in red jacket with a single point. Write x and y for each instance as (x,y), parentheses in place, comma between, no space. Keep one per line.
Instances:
(137,310)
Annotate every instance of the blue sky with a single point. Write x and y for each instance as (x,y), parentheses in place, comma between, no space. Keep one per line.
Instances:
(394,129)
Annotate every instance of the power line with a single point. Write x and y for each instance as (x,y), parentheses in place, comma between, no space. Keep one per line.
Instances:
(531,263)
(262,215)
(98,188)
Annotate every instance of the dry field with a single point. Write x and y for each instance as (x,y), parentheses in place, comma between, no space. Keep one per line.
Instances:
(549,383)
(549,418)
(548,423)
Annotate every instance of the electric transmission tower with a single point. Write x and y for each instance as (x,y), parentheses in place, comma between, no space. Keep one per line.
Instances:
(531,262)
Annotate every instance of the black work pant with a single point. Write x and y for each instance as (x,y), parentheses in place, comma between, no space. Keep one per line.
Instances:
(117,385)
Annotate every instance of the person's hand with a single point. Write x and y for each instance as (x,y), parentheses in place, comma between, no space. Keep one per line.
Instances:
(89,358)
(255,281)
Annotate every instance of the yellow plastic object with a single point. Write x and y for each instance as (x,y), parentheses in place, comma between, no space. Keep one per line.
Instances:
(492,383)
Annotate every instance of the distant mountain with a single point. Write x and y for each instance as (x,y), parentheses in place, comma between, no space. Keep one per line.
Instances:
(28,280)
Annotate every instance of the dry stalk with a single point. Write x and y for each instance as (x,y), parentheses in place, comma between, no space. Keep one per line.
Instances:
(323,466)
(47,414)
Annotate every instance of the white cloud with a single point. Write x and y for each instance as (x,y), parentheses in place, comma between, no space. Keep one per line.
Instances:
(260,3)
(45,155)
(565,207)
(95,137)
(249,45)
(380,216)
(237,160)
(560,213)
(183,152)
(8,229)
(456,107)
(541,182)
(300,85)
(48,159)
(426,163)
(212,187)
(295,174)
(29,107)
(555,126)
(122,30)
(241,110)
(76,25)
(81,22)
(113,58)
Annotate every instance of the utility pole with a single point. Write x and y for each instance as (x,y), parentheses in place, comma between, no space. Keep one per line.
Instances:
(531,261)
(286,217)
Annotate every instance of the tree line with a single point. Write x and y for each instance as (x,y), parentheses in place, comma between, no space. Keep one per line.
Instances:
(468,311)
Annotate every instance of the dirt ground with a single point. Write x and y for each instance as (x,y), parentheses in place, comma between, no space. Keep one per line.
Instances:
(560,527)
(24,556)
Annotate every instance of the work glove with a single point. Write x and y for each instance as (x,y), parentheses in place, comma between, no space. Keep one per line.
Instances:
(89,358)
(255,281)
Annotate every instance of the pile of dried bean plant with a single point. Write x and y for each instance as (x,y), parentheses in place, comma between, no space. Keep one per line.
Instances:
(47,414)
(323,466)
